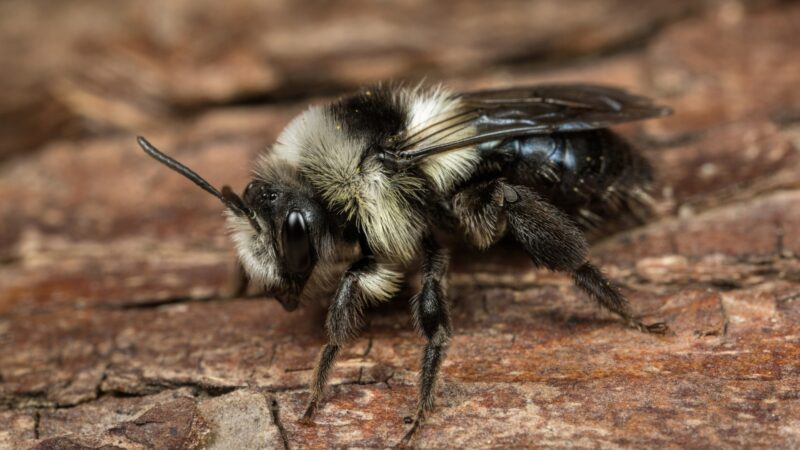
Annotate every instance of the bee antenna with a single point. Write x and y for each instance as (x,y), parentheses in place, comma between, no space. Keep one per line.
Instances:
(227,196)
(232,198)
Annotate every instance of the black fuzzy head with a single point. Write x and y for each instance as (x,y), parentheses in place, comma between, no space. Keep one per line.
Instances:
(295,227)
(280,231)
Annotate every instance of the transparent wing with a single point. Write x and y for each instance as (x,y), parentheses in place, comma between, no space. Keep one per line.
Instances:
(542,109)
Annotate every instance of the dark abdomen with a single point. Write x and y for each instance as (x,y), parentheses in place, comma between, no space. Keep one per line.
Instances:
(594,176)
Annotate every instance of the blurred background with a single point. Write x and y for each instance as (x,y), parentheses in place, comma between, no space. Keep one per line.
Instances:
(94,235)
(88,68)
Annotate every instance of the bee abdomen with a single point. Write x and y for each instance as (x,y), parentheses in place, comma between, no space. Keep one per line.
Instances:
(595,176)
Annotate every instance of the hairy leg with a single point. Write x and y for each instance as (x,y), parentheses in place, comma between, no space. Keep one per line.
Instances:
(549,236)
(589,279)
(364,282)
(553,241)
(432,319)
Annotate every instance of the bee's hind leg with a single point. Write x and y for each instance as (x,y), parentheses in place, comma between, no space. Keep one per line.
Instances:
(553,241)
(589,279)
(432,319)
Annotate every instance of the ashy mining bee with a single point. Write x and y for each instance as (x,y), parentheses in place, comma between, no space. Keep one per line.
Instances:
(371,179)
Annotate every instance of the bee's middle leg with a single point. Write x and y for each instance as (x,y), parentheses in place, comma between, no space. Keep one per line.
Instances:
(432,319)
(364,282)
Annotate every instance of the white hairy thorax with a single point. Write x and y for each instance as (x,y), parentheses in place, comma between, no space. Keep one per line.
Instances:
(381,202)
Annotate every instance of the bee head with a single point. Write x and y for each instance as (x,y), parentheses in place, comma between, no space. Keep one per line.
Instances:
(280,231)
(290,237)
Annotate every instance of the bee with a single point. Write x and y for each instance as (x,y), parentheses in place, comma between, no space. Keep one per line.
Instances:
(355,193)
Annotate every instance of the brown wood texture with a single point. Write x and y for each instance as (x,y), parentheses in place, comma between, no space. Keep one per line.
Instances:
(113,333)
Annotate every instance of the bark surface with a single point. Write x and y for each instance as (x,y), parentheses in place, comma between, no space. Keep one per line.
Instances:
(112,328)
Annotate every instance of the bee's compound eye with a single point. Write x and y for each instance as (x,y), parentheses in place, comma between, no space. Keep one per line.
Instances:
(296,243)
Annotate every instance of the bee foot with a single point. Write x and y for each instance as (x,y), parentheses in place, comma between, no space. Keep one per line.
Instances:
(409,436)
(308,416)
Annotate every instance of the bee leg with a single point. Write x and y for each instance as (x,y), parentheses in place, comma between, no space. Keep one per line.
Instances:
(553,241)
(325,362)
(432,319)
(589,279)
(365,281)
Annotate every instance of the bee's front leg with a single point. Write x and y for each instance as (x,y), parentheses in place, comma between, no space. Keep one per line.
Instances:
(432,319)
(366,281)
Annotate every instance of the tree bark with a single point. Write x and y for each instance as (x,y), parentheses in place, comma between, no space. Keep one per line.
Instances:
(112,328)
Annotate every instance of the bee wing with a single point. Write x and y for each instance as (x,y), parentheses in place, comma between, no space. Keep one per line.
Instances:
(541,109)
